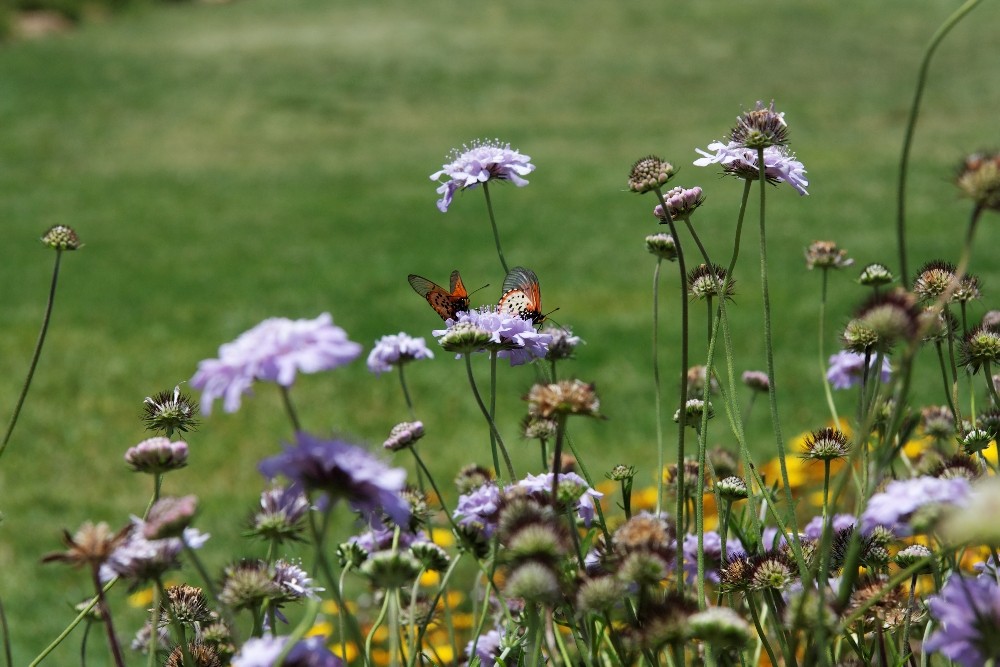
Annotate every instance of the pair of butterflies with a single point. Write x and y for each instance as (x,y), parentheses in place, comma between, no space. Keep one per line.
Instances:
(521,295)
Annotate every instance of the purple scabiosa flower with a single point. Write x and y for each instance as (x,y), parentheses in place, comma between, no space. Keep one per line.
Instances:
(293,581)
(486,647)
(396,350)
(157,456)
(481,162)
(282,510)
(713,555)
(814,529)
(896,505)
(273,351)
(679,204)
(138,559)
(586,496)
(779,165)
(479,508)
(967,612)
(264,652)
(846,368)
(379,538)
(342,471)
(512,337)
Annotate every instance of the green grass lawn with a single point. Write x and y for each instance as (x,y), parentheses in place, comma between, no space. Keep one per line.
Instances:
(228,163)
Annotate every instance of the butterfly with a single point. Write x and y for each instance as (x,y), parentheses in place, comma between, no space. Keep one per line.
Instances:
(521,295)
(444,302)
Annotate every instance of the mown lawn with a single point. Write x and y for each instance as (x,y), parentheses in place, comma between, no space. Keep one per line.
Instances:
(228,163)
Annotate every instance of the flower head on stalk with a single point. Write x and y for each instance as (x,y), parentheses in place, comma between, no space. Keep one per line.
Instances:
(712,544)
(891,316)
(403,435)
(156,456)
(138,559)
(875,275)
(826,444)
(273,351)
(846,368)
(396,350)
(967,612)
(762,127)
(979,179)
(481,162)
(678,204)
(826,255)
(567,397)
(169,411)
(662,245)
(780,166)
(342,471)
(91,545)
(895,507)
(61,237)
(281,514)
(510,336)
(649,173)
(980,347)
(757,381)
(706,282)
(934,279)
(562,344)
(571,485)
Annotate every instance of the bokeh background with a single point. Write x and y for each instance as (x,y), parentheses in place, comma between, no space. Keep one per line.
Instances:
(225,163)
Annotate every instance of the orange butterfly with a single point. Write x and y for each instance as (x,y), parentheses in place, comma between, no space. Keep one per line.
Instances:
(444,302)
(521,295)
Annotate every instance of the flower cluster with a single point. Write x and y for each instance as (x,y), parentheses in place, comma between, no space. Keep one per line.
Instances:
(478,164)
(487,329)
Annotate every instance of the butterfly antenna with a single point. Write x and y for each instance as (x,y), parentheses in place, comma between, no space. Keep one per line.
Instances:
(545,318)
(479,288)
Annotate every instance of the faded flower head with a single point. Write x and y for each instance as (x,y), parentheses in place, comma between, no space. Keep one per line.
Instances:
(662,245)
(705,282)
(979,179)
(969,289)
(396,350)
(892,317)
(621,473)
(720,627)
(826,444)
(696,376)
(679,204)
(169,411)
(567,397)
(536,427)
(649,173)
(826,255)
(138,559)
(342,471)
(510,336)
(981,347)
(847,367)
(934,279)
(562,343)
(156,456)
(91,545)
(938,421)
(482,162)
(760,128)
(273,351)
(403,435)
(187,604)
(61,237)
(875,275)
(780,166)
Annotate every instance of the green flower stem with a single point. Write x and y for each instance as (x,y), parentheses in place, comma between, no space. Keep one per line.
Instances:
(304,625)
(988,370)
(557,455)
(154,624)
(761,634)
(376,625)
(72,625)
(437,492)
(907,617)
(769,354)
(533,634)
(157,486)
(422,630)
(590,483)
(496,232)
(286,398)
(496,442)
(771,600)
(35,355)
(6,638)
(822,354)
(660,460)
(406,392)
(947,388)
(682,398)
(911,124)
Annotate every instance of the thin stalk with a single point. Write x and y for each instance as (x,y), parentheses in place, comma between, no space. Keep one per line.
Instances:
(102,609)
(987,369)
(414,652)
(377,624)
(154,629)
(423,466)
(496,232)
(557,456)
(496,441)
(822,354)
(907,653)
(35,355)
(6,635)
(308,619)
(660,460)
(406,392)
(286,398)
(947,389)
(761,634)
(72,625)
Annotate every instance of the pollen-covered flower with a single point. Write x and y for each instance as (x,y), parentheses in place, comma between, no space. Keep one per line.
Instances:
(157,456)
(273,351)
(979,179)
(705,282)
(826,255)
(293,582)
(896,505)
(875,275)
(780,166)
(483,161)
(648,173)
(678,204)
(566,397)
(760,128)
(934,279)
(342,471)
(847,367)
(169,411)
(981,347)
(662,245)
(510,336)
(967,612)
(61,237)
(396,350)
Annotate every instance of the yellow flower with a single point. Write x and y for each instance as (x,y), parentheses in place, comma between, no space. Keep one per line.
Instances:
(320,629)
(349,656)
(430,579)
(442,538)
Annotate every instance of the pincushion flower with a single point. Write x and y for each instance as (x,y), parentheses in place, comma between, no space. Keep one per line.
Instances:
(396,350)
(967,612)
(846,368)
(479,508)
(713,555)
(895,506)
(481,162)
(780,166)
(273,351)
(542,484)
(342,471)
(264,652)
(510,336)
(138,559)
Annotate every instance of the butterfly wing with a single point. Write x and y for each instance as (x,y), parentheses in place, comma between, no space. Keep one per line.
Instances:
(444,303)
(522,295)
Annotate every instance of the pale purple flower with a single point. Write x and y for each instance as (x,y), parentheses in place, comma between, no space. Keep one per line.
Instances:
(481,162)
(157,456)
(479,508)
(846,369)
(342,471)
(273,351)
(814,529)
(139,560)
(293,581)
(512,337)
(680,203)
(779,165)
(967,612)
(379,538)
(396,350)
(264,652)
(894,506)
(542,484)
(486,646)
(713,555)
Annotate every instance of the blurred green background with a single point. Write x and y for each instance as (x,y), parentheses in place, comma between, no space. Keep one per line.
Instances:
(225,163)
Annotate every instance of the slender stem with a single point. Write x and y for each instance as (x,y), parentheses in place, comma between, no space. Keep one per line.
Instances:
(947,388)
(6,635)
(286,397)
(406,392)
(437,492)
(557,456)
(154,629)
(660,462)
(496,232)
(990,387)
(496,440)
(308,619)
(203,573)
(72,625)
(822,354)
(761,634)
(102,609)
(911,124)
(35,356)
(378,623)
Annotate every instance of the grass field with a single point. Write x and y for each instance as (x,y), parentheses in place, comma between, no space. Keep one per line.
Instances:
(228,163)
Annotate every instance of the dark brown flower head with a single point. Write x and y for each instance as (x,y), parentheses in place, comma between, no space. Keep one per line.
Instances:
(735,571)
(61,237)
(979,179)
(760,128)
(187,604)
(170,411)
(706,281)
(875,275)
(826,255)
(888,610)
(648,173)
(662,245)
(938,421)
(566,397)
(90,545)
(472,477)
(981,347)
(969,289)
(827,444)
(893,316)
(934,279)
(204,655)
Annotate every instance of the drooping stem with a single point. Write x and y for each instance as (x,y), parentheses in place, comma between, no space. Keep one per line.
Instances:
(496,232)
(496,441)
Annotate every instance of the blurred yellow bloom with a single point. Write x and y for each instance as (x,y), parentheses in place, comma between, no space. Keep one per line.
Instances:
(380,657)
(320,629)
(143,599)
(463,621)
(914,448)
(330,607)
(442,538)
(444,653)
(349,656)
(430,579)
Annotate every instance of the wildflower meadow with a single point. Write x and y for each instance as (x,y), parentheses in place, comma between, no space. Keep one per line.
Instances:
(761,456)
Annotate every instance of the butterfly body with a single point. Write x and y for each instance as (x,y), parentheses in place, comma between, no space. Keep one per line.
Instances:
(445,303)
(521,295)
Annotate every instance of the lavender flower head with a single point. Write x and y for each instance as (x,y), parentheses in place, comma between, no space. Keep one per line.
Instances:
(264,652)
(814,529)
(479,508)
(895,506)
(512,337)
(294,582)
(396,350)
(967,612)
(273,351)
(542,484)
(680,203)
(846,369)
(481,162)
(486,647)
(342,471)
(379,538)
(139,559)
(780,166)
(713,555)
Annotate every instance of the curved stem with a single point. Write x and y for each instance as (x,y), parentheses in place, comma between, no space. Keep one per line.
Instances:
(496,440)
(35,356)
(660,461)
(286,398)
(496,232)
(72,625)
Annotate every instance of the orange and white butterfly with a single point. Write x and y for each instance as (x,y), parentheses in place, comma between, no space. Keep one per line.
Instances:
(444,302)
(521,295)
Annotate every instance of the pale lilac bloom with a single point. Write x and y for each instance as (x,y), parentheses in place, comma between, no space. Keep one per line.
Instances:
(967,612)
(273,351)
(479,508)
(482,162)
(342,471)
(395,350)
(264,652)
(139,560)
(542,484)
(846,368)
(486,646)
(814,529)
(294,582)
(512,337)
(379,538)
(894,506)
(779,165)
(713,555)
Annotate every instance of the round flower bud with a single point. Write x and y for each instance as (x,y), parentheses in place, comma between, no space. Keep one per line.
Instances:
(757,381)
(621,472)
(720,627)
(600,594)
(464,338)
(875,275)
(662,245)
(403,435)
(61,237)
(389,571)
(648,173)
(706,281)
(157,456)
(732,488)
